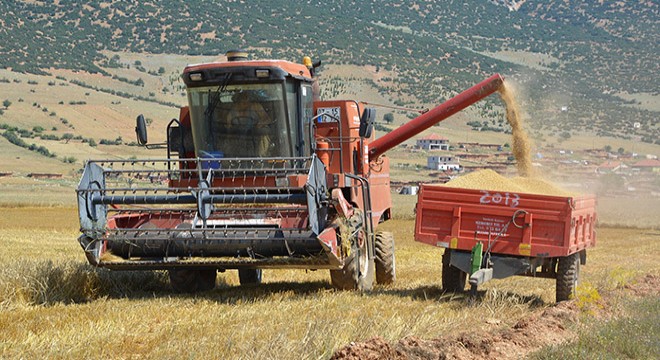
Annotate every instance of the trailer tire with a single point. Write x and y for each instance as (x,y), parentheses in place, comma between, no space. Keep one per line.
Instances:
(568,272)
(358,270)
(250,276)
(384,258)
(453,279)
(191,281)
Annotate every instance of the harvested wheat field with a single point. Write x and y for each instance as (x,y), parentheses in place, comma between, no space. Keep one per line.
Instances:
(54,305)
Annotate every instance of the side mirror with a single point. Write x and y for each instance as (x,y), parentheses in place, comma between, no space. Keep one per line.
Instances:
(141,130)
(367,122)
(175,140)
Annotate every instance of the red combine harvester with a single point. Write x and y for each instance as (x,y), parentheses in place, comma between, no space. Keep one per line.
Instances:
(259,174)
(491,234)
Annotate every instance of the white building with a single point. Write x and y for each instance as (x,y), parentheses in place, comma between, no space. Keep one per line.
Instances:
(433,142)
(443,163)
(409,190)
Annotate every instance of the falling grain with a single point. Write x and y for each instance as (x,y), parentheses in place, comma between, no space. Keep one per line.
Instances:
(521,144)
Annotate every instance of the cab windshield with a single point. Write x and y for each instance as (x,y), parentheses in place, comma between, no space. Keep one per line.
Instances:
(242,121)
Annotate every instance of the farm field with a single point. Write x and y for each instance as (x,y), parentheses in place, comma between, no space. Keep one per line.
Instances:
(575,108)
(52,303)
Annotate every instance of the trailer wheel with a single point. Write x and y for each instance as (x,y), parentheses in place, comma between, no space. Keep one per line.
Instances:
(358,270)
(453,279)
(250,276)
(568,272)
(191,281)
(384,258)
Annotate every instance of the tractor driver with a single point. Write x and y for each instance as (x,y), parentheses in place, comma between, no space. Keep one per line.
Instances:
(248,127)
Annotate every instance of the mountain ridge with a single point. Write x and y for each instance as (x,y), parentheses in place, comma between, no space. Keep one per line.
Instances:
(599,50)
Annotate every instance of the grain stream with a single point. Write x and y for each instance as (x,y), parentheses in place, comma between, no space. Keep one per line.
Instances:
(521,143)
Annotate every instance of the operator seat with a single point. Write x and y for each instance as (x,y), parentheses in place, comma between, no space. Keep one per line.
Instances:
(249,127)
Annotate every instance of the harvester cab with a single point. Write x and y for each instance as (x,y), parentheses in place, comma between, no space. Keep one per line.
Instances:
(259,174)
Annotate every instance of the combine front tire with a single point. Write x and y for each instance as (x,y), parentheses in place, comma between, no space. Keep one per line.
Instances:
(250,276)
(453,279)
(384,258)
(358,270)
(191,281)
(568,271)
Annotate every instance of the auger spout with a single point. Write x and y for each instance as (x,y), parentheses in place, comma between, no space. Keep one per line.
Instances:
(435,115)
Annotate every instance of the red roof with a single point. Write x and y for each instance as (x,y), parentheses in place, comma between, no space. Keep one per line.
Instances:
(434,137)
(609,165)
(647,163)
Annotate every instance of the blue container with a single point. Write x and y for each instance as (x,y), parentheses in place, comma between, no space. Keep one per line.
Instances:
(211,164)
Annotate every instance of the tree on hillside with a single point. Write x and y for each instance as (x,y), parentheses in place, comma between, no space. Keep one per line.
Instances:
(621,151)
(608,148)
(388,118)
(67,137)
(6,103)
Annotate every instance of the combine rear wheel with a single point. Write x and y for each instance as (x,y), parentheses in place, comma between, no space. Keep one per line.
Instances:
(568,271)
(358,271)
(453,279)
(250,276)
(384,258)
(190,281)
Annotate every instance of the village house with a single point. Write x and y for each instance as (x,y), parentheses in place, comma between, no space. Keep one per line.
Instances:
(433,142)
(443,163)
(610,167)
(647,165)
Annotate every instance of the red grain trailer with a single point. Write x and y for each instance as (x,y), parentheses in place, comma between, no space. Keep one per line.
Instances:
(496,234)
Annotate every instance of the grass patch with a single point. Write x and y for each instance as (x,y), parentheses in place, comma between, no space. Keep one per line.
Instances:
(634,336)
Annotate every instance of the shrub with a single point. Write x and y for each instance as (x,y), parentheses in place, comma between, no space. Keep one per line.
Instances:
(49,137)
(25,133)
(117,141)
(14,139)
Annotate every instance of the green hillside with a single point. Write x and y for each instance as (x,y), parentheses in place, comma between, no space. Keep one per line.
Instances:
(597,61)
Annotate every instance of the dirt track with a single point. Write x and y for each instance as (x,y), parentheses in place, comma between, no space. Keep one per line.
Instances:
(550,326)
